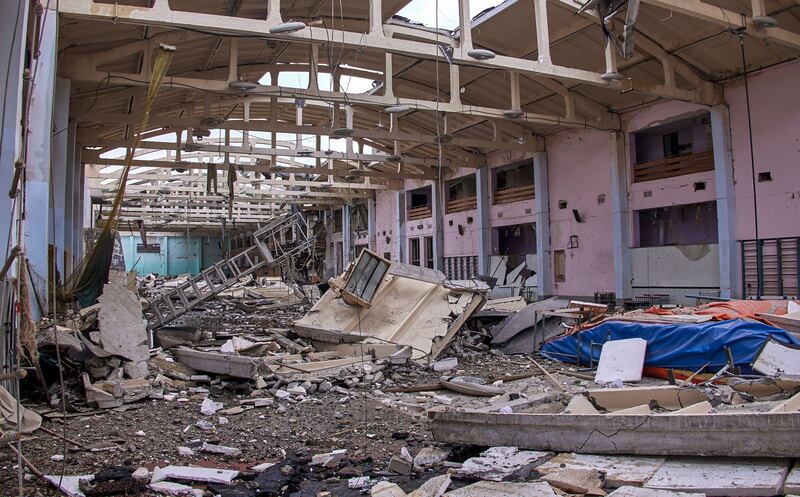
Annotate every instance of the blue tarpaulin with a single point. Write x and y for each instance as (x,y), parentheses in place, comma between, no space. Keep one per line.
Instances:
(674,346)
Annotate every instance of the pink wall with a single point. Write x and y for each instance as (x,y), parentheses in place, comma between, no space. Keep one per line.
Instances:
(515,212)
(385,222)
(775,115)
(579,171)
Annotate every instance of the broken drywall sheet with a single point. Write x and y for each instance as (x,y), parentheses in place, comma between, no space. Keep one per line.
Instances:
(733,477)
(123,330)
(776,359)
(621,360)
(620,470)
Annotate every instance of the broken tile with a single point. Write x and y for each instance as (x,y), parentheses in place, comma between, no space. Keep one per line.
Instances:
(190,473)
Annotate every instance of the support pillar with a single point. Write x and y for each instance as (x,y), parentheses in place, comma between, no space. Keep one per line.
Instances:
(60,160)
(347,245)
(729,259)
(623,267)
(437,212)
(13,19)
(484,223)
(400,227)
(544,268)
(37,209)
(371,229)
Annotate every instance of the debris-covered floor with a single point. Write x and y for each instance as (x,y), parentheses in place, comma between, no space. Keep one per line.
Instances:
(268,389)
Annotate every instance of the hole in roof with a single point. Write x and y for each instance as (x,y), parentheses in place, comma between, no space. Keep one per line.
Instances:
(424,12)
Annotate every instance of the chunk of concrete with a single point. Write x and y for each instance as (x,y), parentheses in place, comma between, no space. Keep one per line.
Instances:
(123,330)
(727,477)
(191,473)
(504,489)
(704,407)
(209,407)
(621,360)
(620,470)
(670,397)
(579,404)
(577,481)
(221,449)
(387,489)
(430,456)
(328,459)
(400,466)
(792,483)
(171,488)
(650,492)
(641,409)
(435,487)
(445,364)
(500,463)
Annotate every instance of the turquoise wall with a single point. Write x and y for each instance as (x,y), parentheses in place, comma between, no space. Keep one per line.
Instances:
(178,255)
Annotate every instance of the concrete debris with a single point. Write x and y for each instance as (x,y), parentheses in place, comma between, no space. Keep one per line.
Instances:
(430,456)
(434,487)
(187,473)
(329,459)
(171,488)
(445,364)
(387,489)
(501,463)
(69,485)
(577,481)
(504,489)
(209,407)
(650,492)
(123,331)
(776,359)
(728,477)
(221,449)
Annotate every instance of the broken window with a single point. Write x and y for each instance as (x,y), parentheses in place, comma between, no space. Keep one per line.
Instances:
(514,182)
(690,224)
(461,194)
(560,266)
(414,255)
(419,203)
(429,252)
(150,248)
(516,239)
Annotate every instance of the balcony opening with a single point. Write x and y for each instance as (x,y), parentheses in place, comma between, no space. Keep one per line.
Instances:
(514,182)
(461,194)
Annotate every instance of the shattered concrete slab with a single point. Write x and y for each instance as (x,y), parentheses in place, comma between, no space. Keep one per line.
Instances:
(504,489)
(650,492)
(500,463)
(733,477)
(123,329)
(620,470)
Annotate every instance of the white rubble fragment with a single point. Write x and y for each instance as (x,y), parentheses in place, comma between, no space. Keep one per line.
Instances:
(429,456)
(140,433)
(57,457)
(204,425)
(506,410)
(171,488)
(209,407)
(498,463)
(191,473)
(185,451)
(282,394)
(446,364)
(328,459)
(70,485)
(258,468)
(357,482)
(621,360)
(220,449)
(141,474)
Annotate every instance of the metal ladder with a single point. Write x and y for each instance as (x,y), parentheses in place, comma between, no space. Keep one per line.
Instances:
(276,243)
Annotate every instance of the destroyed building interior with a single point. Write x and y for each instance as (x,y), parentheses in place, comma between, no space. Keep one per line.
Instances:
(400,248)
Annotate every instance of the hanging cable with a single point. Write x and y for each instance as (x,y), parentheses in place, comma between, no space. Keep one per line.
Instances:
(759,275)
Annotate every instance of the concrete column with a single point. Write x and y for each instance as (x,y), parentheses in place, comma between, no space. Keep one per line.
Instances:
(37,209)
(60,160)
(623,267)
(730,283)
(484,222)
(347,245)
(544,271)
(438,226)
(371,228)
(72,200)
(400,227)
(13,17)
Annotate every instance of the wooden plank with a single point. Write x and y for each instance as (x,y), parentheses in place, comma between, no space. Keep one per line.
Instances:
(674,166)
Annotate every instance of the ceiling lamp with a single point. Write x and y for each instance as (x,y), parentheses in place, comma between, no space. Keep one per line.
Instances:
(513,113)
(393,158)
(242,85)
(765,21)
(304,153)
(191,147)
(212,121)
(396,109)
(481,54)
(287,27)
(201,133)
(611,76)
